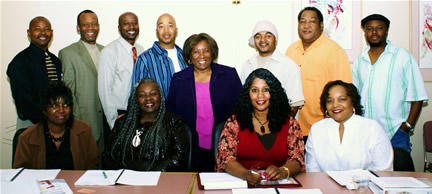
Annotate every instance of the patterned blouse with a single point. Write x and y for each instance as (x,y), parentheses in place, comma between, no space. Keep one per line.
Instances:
(229,140)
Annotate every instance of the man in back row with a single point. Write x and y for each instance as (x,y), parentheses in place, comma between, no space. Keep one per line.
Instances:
(161,61)
(79,62)
(390,83)
(115,67)
(31,70)
(320,60)
(264,38)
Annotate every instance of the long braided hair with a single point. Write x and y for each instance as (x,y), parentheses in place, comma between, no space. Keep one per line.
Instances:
(153,139)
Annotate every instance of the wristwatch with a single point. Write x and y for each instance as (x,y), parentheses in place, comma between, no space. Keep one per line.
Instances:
(410,128)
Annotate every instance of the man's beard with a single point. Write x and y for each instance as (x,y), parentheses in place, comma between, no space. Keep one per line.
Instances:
(377,44)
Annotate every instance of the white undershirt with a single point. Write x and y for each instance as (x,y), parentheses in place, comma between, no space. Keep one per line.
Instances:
(172,53)
(93,51)
(262,61)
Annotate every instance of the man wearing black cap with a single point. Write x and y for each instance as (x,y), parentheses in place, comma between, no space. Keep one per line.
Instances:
(390,83)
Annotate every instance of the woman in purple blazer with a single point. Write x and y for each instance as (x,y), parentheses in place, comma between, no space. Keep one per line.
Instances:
(203,94)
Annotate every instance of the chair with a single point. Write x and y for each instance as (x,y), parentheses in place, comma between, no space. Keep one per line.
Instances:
(190,138)
(217,130)
(427,144)
(15,142)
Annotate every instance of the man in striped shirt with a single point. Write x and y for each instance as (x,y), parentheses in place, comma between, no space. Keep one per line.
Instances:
(389,81)
(161,61)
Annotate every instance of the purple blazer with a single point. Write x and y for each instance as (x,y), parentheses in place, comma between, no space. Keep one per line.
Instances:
(225,87)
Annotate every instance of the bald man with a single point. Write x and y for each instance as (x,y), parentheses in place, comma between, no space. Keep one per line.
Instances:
(115,65)
(31,70)
(162,60)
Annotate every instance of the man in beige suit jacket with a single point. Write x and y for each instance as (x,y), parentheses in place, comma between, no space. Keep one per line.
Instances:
(80,74)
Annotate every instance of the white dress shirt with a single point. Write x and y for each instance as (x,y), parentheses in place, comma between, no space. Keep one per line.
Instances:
(285,70)
(115,68)
(365,145)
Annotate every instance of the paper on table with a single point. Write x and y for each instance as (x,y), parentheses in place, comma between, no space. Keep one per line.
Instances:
(221,180)
(345,177)
(96,177)
(36,174)
(8,174)
(273,191)
(29,187)
(386,182)
(131,177)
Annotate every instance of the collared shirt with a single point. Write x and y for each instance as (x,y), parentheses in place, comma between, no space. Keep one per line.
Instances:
(322,62)
(364,146)
(114,76)
(28,77)
(282,68)
(156,64)
(389,86)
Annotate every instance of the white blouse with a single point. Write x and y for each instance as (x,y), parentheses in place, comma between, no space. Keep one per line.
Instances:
(365,145)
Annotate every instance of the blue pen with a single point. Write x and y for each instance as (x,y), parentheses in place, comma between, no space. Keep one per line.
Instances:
(104,174)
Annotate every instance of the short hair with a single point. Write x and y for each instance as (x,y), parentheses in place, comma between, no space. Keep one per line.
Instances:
(193,40)
(351,91)
(55,91)
(279,109)
(310,8)
(85,11)
(38,17)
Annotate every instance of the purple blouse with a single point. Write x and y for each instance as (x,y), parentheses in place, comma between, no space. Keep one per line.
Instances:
(204,119)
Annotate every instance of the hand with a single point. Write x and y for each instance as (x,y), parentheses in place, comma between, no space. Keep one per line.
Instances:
(120,116)
(275,173)
(252,178)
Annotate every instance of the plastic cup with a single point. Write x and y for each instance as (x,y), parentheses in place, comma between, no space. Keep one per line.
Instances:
(361,182)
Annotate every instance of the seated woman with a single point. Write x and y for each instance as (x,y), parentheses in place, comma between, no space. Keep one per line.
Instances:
(345,140)
(58,141)
(261,134)
(203,94)
(146,137)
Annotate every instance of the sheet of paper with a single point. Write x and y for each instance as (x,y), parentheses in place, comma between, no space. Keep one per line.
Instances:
(345,177)
(273,191)
(37,174)
(97,177)
(220,180)
(29,187)
(131,177)
(8,174)
(386,182)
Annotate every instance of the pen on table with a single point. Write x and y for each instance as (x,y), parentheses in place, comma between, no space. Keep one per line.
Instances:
(277,190)
(373,173)
(104,174)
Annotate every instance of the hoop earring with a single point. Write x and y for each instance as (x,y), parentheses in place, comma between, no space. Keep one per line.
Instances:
(353,110)
(326,113)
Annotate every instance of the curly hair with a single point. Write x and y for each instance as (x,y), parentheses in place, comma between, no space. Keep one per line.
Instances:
(56,90)
(351,91)
(154,139)
(193,40)
(279,109)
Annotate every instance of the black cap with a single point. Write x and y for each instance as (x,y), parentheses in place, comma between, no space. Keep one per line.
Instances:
(375,17)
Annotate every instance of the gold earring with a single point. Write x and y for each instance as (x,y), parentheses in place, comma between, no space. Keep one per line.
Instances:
(353,110)
(326,113)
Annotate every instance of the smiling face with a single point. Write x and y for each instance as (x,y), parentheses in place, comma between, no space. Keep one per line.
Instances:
(338,104)
(148,98)
(57,112)
(40,32)
(376,32)
(88,27)
(166,31)
(265,43)
(129,27)
(309,27)
(259,94)
(201,56)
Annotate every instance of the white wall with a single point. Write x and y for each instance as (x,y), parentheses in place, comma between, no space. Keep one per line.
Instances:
(229,24)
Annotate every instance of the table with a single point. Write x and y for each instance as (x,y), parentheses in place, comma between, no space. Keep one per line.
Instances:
(176,182)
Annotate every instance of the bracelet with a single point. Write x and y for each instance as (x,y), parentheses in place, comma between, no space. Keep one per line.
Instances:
(287,170)
(410,128)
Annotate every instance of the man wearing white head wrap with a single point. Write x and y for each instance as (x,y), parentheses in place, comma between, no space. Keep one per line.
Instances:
(264,39)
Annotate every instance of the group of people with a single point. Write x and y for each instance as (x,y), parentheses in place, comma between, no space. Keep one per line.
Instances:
(150,99)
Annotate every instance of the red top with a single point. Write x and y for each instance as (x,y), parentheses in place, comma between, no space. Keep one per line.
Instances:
(253,155)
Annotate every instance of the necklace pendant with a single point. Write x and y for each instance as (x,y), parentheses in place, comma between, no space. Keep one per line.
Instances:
(262,129)
(136,141)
